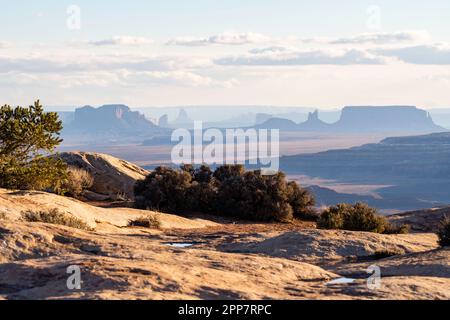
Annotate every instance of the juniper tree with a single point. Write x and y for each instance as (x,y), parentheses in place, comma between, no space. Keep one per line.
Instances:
(28,138)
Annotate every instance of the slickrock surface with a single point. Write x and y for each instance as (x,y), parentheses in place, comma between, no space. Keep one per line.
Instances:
(225,261)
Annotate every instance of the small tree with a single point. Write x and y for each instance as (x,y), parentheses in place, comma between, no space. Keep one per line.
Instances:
(28,136)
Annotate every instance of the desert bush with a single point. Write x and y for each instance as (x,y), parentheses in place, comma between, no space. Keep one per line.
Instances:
(334,217)
(229,191)
(78,180)
(393,229)
(444,232)
(358,217)
(302,202)
(27,137)
(251,195)
(54,216)
(150,221)
(164,189)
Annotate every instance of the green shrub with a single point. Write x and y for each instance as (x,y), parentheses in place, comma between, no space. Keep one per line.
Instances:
(164,189)
(444,232)
(229,191)
(302,202)
(150,221)
(54,216)
(334,217)
(358,217)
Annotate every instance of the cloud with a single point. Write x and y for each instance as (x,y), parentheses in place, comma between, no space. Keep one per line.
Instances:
(226,38)
(4,44)
(438,54)
(277,56)
(122,41)
(102,71)
(383,38)
(274,49)
(177,78)
(63,64)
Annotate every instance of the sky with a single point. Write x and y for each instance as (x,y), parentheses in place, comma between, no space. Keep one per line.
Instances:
(319,53)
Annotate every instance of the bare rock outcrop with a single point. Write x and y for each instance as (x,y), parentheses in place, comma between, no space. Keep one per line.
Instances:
(330,246)
(112,176)
(421,220)
(13,203)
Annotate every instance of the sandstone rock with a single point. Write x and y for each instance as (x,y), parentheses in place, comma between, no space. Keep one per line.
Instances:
(330,246)
(112,177)
(422,220)
(13,203)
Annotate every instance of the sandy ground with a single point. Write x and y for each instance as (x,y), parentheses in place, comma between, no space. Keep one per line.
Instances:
(226,260)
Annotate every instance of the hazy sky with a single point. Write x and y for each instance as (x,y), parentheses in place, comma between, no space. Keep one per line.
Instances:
(290,53)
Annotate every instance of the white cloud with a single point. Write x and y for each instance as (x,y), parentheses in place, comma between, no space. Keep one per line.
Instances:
(438,54)
(176,78)
(277,56)
(274,49)
(109,70)
(123,41)
(5,44)
(384,38)
(226,38)
(64,63)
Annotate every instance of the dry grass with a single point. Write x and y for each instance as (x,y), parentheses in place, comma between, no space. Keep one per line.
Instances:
(150,221)
(54,216)
(393,229)
(78,181)
(386,254)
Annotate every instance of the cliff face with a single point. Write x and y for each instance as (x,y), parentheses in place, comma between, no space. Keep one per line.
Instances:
(388,119)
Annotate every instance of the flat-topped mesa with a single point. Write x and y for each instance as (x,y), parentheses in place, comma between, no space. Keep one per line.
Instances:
(387,119)
(110,117)
(360,119)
